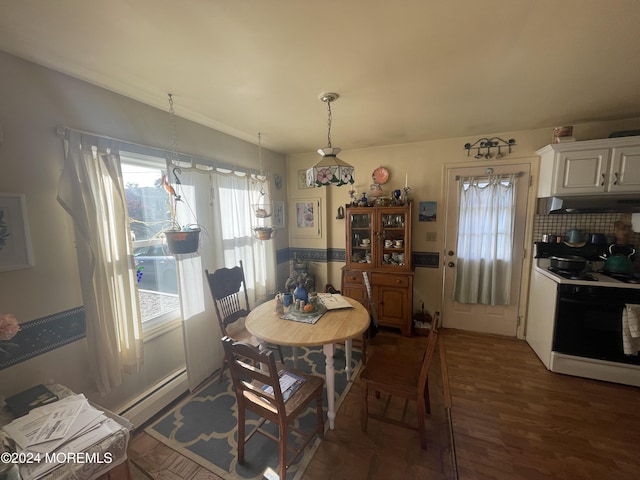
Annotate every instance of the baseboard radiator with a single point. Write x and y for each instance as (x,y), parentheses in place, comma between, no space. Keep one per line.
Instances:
(148,404)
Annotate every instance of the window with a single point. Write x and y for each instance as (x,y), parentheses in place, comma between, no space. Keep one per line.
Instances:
(148,206)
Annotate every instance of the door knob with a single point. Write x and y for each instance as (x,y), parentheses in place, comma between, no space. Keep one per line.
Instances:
(450,253)
(451,264)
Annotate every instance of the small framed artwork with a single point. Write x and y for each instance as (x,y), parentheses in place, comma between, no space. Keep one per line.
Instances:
(428,211)
(15,241)
(306,218)
(278,214)
(302,179)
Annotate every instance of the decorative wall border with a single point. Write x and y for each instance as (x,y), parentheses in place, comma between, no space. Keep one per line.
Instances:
(337,255)
(43,335)
(426,259)
(53,331)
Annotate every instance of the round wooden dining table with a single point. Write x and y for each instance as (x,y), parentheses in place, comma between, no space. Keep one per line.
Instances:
(340,325)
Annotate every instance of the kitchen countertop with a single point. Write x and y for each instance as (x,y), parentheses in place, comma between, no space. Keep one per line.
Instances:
(541,265)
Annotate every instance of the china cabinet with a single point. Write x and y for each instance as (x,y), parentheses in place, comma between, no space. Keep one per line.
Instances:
(378,240)
(606,166)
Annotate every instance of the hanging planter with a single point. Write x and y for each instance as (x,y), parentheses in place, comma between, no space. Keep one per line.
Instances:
(262,227)
(179,239)
(263,233)
(263,209)
(183,241)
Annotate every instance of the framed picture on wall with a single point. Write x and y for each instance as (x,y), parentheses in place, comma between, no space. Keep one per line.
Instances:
(15,242)
(428,211)
(305,218)
(278,214)
(302,179)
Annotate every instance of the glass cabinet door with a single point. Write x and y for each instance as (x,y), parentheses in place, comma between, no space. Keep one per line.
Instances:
(362,237)
(393,242)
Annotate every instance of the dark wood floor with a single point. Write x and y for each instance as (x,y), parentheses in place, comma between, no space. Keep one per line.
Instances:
(386,452)
(512,419)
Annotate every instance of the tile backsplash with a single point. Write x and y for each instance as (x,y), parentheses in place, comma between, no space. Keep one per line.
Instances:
(588,223)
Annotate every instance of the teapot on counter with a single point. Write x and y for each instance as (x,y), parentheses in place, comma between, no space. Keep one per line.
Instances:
(619,259)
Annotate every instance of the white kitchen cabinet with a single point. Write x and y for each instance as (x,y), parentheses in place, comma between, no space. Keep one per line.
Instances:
(541,315)
(625,169)
(606,166)
(582,171)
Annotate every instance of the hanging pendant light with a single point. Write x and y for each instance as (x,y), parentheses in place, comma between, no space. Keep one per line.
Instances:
(330,170)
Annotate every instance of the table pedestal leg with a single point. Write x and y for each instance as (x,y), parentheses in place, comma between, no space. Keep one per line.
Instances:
(330,371)
(262,346)
(295,356)
(347,352)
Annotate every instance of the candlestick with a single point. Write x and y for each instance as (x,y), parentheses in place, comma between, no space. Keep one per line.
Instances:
(406,179)
(406,195)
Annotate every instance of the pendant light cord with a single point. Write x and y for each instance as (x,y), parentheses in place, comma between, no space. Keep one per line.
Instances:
(329,123)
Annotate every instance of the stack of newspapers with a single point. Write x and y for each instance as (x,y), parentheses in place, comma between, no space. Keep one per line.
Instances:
(289,384)
(58,434)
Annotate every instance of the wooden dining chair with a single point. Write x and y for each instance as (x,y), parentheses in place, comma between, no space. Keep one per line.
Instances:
(372,331)
(399,375)
(258,390)
(228,289)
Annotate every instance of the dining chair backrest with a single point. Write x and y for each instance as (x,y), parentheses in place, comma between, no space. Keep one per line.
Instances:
(258,390)
(428,356)
(399,374)
(252,381)
(373,327)
(228,288)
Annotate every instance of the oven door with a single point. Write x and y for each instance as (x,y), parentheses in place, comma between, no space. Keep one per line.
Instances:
(589,322)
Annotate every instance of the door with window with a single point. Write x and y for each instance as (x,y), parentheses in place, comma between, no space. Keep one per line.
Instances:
(484,247)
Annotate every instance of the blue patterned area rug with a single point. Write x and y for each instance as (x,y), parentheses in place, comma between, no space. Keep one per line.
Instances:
(203,426)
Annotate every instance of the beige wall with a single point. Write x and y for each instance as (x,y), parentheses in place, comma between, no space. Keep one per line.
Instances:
(35,101)
(424,163)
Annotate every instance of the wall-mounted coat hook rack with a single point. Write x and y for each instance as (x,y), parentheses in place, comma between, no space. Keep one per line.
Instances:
(487,144)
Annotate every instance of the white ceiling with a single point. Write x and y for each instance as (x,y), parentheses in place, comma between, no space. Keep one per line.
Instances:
(406,70)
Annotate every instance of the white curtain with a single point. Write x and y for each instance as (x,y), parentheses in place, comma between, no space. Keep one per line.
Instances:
(199,325)
(92,192)
(485,240)
(233,195)
(221,205)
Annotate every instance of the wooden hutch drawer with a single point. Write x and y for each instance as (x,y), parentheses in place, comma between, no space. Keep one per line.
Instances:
(390,280)
(351,277)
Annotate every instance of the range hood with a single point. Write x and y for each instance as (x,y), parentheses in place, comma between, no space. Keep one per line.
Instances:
(589,204)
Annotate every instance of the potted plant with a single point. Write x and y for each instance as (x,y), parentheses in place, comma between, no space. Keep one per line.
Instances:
(180,239)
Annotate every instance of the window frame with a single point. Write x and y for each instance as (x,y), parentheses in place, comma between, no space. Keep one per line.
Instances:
(172,319)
